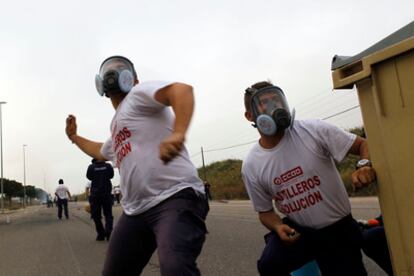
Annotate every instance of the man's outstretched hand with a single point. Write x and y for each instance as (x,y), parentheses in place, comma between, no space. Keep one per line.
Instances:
(71,126)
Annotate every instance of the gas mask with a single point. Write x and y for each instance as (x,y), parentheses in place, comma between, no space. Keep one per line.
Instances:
(270,110)
(116,75)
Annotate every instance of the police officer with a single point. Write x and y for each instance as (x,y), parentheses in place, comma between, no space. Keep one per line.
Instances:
(100,174)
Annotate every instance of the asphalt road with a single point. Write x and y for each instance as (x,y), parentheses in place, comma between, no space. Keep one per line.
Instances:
(35,242)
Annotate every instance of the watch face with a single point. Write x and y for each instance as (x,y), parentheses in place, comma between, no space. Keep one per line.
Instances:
(363,163)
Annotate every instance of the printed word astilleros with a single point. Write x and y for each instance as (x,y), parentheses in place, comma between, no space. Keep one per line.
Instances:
(121,146)
(298,196)
(120,137)
(297,189)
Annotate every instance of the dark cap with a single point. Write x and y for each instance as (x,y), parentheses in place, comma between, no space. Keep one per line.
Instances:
(60,181)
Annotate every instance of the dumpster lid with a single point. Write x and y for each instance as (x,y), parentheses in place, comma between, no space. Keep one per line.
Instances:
(394,38)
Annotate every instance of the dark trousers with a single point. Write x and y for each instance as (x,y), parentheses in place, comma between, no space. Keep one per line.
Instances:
(99,204)
(375,246)
(336,249)
(208,195)
(175,226)
(62,204)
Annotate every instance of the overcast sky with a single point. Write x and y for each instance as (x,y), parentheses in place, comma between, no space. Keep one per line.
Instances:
(51,51)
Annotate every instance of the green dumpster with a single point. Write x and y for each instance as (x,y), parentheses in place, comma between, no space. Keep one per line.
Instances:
(384,77)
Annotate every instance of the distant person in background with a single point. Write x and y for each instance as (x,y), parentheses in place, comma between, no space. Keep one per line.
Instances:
(207,189)
(293,165)
(62,194)
(49,201)
(100,174)
(87,194)
(117,193)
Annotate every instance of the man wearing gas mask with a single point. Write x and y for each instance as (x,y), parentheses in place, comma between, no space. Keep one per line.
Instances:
(164,204)
(293,164)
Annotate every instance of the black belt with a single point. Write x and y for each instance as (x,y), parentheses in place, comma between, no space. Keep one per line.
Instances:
(188,193)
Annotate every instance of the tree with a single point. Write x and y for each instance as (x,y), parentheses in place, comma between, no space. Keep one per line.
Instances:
(30,191)
(12,188)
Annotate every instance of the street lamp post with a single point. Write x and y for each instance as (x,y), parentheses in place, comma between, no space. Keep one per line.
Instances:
(24,175)
(1,154)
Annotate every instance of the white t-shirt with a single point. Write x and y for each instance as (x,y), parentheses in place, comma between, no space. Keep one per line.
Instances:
(299,174)
(117,190)
(137,129)
(62,191)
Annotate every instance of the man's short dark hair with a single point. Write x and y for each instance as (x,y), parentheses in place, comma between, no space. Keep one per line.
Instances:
(60,181)
(250,90)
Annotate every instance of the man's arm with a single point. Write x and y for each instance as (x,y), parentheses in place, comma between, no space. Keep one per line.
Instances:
(89,147)
(111,171)
(273,222)
(360,147)
(89,172)
(363,176)
(180,97)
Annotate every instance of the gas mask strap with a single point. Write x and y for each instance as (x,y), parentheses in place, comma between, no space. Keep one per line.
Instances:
(293,114)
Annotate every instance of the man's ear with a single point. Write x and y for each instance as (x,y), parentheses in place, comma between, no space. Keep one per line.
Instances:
(248,115)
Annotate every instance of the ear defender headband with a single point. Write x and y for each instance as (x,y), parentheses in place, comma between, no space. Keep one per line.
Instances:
(116,74)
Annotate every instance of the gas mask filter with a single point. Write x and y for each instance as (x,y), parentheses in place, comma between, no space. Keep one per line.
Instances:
(270,110)
(116,75)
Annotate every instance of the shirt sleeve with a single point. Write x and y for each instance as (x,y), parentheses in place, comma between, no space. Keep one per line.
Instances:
(106,150)
(262,201)
(142,99)
(334,140)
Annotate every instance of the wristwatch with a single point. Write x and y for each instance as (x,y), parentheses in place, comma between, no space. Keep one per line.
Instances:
(363,163)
